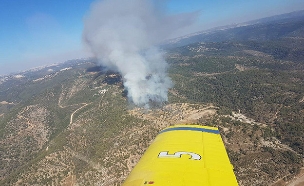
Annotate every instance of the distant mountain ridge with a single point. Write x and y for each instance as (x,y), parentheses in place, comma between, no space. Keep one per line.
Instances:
(279,18)
(269,28)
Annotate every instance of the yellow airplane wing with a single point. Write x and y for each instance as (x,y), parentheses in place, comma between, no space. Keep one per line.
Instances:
(184,155)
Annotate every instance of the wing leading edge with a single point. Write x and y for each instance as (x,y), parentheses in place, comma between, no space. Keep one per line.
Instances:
(184,155)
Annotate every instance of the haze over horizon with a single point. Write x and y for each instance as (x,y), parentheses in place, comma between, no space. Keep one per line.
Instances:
(36,33)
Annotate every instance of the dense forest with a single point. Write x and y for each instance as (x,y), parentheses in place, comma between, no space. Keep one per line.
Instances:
(260,79)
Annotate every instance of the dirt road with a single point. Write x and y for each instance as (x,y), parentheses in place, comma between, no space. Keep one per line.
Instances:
(299,180)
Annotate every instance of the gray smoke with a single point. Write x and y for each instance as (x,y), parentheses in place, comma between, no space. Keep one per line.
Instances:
(123,35)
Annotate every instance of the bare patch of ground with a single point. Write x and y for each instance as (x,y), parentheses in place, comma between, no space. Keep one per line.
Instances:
(184,64)
(172,114)
(275,144)
(241,67)
(245,119)
(207,74)
(70,180)
(298,180)
(257,53)
(6,103)
(176,93)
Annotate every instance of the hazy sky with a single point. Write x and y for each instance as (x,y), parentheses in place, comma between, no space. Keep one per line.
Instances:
(39,32)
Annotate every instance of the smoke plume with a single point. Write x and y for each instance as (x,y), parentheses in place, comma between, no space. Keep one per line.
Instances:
(123,35)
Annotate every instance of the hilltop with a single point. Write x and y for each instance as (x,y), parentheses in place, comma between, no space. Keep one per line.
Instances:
(283,26)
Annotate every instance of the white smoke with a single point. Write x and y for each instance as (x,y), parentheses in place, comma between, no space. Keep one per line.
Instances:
(123,35)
